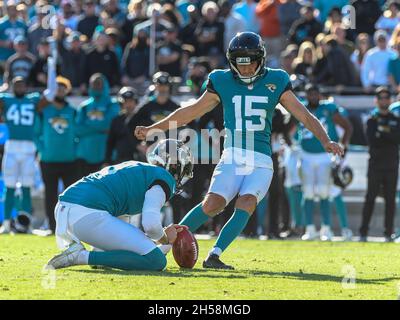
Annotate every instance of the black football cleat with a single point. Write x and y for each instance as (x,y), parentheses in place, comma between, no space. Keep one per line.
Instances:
(213,262)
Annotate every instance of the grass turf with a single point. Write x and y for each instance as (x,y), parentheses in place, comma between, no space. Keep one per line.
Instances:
(264,270)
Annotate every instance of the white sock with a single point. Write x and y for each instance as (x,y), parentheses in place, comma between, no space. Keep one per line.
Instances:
(165,248)
(216,251)
(83,257)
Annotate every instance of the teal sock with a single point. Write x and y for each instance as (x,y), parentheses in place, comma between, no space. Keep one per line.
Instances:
(341,211)
(295,197)
(26,200)
(9,203)
(325,207)
(309,211)
(232,229)
(261,212)
(155,260)
(195,218)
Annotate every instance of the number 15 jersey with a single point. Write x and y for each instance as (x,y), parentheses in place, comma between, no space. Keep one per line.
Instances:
(249,108)
(19,115)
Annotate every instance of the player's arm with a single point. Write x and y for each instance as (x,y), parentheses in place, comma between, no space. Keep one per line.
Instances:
(346,125)
(51,90)
(183,115)
(290,102)
(154,200)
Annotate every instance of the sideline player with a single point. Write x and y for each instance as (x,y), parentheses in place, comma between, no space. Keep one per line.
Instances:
(316,163)
(248,93)
(92,211)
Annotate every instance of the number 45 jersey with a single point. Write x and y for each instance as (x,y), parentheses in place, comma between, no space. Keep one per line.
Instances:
(249,108)
(19,115)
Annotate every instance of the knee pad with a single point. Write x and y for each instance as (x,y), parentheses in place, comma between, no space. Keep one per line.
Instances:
(157,260)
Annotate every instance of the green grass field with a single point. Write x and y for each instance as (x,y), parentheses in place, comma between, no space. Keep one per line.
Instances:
(264,270)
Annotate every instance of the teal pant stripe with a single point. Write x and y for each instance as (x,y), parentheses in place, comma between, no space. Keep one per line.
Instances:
(341,211)
(9,203)
(325,207)
(155,260)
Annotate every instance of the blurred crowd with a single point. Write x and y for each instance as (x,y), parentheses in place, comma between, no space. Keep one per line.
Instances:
(157,46)
(325,40)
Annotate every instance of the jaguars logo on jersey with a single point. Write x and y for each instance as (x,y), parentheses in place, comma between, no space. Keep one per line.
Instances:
(271,87)
(96,115)
(59,124)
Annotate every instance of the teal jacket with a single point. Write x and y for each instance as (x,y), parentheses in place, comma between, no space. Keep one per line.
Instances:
(55,134)
(92,124)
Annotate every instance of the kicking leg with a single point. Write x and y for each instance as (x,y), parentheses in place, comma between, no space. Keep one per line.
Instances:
(253,189)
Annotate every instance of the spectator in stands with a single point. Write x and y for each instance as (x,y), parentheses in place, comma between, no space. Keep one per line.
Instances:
(73,58)
(186,34)
(341,36)
(38,74)
(101,59)
(55,141)
(390,18)
(305,61)
(267,13)
(114,43)
(247,9)
(92,125)
(196,76)
(68,14)
(170,14)
(287,57)
(374,69)
(362,46)
(233,22)
(182,7)
(288,13)
(153,13)
(306,28)
(169,53)
(325,6)
(136,15)
(112,10)
(367,13)
(159,103)
(135,61)
(120,138)
(37,30)
(383,134)
(89,20)
(10,27)
(335,16)
(337,69)
(210,31)
(394,68)
(21,62)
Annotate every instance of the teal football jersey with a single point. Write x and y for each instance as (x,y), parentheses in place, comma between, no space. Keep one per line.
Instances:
(119,189)
(19,115)
(248,109)
(395,108)
(324,113)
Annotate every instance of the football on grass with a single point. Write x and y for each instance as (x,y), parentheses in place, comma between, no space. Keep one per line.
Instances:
(185,249)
